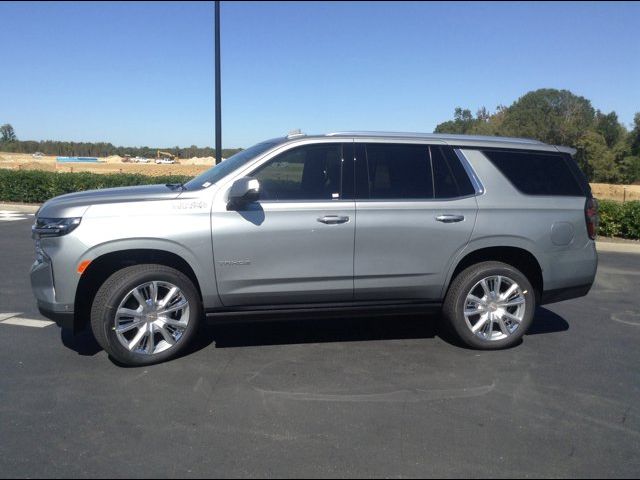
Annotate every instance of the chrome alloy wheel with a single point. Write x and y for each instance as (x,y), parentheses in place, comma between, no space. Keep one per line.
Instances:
(152,318)
(494,308)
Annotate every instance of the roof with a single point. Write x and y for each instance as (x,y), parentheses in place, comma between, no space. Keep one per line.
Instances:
(449,139)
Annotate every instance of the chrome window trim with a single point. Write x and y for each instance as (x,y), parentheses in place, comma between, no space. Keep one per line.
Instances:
(413,200)
(475,180)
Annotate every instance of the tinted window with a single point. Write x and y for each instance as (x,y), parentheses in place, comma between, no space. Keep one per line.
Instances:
(312,172)
(450,179)
(399,171)
(537,173)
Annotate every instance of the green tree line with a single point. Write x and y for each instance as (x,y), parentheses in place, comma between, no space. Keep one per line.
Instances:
(606,150)
(10,143)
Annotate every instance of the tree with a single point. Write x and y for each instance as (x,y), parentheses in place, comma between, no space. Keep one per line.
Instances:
(483,114)
(630,169)
(553,116)
(606,151)
(462,123)
(627,153)
(634,136)
(7,134)
(596,160)
(609,127)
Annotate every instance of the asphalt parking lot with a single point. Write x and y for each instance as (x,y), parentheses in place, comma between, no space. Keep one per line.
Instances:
(383,397)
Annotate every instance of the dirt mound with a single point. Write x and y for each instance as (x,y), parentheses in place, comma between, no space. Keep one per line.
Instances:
(197,161)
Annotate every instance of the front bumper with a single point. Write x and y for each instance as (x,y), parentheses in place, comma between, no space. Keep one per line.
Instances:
(64,320)
(43,287)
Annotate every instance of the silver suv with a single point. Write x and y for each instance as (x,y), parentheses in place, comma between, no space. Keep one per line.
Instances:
(481,228)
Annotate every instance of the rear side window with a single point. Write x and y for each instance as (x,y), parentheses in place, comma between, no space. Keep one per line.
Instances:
(537,173)
(449,178)
(399,171)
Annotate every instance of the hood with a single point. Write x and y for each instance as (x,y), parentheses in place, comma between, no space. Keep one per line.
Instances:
(75,204)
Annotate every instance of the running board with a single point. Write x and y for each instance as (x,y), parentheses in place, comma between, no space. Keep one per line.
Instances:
(322,310)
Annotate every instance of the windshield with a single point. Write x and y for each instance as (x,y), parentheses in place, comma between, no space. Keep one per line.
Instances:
(215,174)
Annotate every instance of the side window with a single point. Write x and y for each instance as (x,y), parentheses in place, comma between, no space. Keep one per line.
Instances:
(449,178)
(310,172)
(537,173)
(399,171)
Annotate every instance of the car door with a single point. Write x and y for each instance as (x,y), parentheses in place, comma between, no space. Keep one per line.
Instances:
(295,244)
(415,210)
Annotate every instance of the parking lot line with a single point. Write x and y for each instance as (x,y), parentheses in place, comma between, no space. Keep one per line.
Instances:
(5,315)
(12,216)
(24,322)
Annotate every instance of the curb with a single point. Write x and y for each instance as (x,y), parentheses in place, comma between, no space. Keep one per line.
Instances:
(20,207)
(617,247)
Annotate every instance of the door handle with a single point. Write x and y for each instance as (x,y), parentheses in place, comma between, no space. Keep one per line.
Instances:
(450,218)
(333,219)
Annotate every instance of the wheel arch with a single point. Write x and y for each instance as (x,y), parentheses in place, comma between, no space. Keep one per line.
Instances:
(517,256)
(108,263)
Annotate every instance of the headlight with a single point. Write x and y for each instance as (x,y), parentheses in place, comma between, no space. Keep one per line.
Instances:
(54,227)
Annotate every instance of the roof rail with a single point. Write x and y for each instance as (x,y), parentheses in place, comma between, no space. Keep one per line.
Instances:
(435,136)
(378,134)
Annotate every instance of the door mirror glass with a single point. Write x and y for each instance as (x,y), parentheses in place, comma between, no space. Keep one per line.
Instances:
(245,190)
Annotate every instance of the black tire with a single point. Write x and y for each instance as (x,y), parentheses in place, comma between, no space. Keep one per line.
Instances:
(461,286)
(114,290)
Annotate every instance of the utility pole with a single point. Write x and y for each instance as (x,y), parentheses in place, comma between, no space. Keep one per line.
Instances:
(218,96)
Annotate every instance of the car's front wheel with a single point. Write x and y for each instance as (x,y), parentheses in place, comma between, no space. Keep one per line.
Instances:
(490,305)
(145,314)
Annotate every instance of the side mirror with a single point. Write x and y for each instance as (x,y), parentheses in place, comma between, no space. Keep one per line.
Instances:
(245,190)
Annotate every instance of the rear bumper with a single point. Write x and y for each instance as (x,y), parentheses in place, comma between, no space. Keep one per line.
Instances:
(566,269)
(567,293)
(569,274)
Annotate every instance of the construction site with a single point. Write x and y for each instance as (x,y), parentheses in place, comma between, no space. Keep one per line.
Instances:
(163,164)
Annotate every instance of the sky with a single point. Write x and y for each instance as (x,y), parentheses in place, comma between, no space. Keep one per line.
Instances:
(142,74)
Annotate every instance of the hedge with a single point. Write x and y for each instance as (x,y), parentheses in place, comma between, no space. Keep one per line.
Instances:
(36,186)
(619,219)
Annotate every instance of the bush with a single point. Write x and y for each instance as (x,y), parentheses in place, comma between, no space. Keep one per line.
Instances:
(35,186)
(631,224)
(619,219)
(610,218)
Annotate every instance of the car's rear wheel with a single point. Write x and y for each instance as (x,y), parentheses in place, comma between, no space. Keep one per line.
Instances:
(490,305)
(145,314)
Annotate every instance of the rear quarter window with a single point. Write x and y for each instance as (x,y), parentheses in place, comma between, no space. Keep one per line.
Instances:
(538,173)
(449,178)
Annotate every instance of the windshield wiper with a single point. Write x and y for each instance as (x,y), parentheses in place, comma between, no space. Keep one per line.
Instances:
(175,186)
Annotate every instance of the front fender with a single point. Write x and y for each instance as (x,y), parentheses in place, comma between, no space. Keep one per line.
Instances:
(202,268)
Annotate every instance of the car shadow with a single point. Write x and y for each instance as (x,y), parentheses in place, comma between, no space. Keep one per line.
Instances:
(546,321)
(301,330)
(360,329)
(83,343)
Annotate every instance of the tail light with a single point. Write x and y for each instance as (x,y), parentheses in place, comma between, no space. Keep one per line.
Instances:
(591,217)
